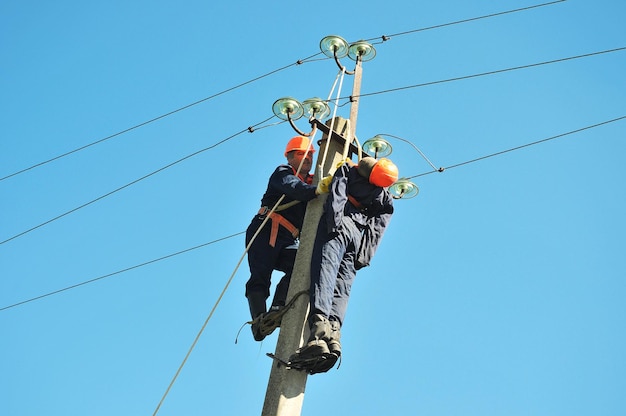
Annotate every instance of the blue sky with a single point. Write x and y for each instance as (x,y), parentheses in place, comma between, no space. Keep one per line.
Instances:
(499,289)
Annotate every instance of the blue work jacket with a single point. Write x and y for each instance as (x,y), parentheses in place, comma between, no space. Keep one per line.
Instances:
(371,209)
(284,181)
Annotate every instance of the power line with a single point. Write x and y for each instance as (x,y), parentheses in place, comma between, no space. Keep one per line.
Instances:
(521,147)
(386,37)
(299,62)
(242,232)
(280,69)
(482,74)
(361,95)
(119,271)
(249,129)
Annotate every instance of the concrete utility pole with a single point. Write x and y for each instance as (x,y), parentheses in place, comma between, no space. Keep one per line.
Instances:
(285,390)
(356,90)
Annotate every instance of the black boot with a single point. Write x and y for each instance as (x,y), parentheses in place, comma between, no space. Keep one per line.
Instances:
(256,301)
(334,347)
(316,348)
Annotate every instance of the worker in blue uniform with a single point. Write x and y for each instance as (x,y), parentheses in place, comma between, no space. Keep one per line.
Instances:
(356,213)
(274,248)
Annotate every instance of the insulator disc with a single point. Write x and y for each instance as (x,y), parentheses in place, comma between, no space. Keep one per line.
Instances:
(403,188)
(316,107)
(363,49)
(377,146)
(334,45)
(287,105)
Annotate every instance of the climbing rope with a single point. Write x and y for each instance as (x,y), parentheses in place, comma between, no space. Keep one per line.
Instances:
(230,279)
(269,326)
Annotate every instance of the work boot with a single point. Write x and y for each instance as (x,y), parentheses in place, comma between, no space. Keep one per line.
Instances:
(316,348)
(334,350)
(335,335)
(319,331)
(256,302)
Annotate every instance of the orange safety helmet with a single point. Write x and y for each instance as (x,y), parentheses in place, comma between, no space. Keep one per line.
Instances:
(299,143)
(382,172)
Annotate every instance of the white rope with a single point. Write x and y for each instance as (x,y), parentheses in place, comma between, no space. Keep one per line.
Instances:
(230,279)
(340,75)
(334,84)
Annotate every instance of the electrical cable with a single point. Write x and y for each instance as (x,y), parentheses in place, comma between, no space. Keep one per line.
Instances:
(415,147)
(520,147)
(119,271)
(242,232)
(498,71)
(387,37)
(299,62)
(249,129)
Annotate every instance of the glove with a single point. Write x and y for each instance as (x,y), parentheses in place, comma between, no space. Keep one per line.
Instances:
(323,185)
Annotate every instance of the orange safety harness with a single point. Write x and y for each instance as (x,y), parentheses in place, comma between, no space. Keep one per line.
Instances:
(277,221)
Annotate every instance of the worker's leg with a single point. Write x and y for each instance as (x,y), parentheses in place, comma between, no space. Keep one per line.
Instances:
(343,287)
(272,319)
(285,263)
(261,260)
(345,277)
(326,264)
(326,258)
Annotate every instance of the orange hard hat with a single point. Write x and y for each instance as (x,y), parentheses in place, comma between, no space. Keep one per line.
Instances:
(299,143)
(382,172)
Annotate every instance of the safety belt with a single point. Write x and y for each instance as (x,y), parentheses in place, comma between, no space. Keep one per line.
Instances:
(278,220)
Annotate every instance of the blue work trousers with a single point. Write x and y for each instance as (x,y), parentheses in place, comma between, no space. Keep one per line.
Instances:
(332,268)
(263,259)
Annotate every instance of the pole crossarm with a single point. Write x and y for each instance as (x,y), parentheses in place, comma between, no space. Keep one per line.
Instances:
(337,136)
